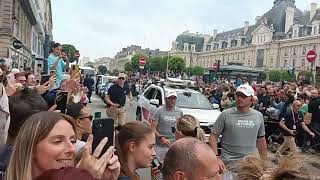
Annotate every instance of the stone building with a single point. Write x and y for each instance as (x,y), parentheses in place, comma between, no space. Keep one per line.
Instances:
(280,38)
(28,22)
(127,53)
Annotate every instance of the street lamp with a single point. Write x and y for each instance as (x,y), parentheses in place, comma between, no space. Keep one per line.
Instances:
(149,62)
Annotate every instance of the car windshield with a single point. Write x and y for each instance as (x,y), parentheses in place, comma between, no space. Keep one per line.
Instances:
(193,101)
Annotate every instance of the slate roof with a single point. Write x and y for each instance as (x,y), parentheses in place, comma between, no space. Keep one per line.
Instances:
(190,38)
(275,18)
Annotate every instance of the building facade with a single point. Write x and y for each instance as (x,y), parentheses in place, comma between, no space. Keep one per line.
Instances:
(279,39)
(28,22)
(127,53)
(104,61)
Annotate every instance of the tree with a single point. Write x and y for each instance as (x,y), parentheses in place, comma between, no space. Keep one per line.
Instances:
(90,64)
(197,71)
(275,75)
(305,73)
(103,69)
(71,50)
(128,67)
(158,63)
(176,63)
(278,75)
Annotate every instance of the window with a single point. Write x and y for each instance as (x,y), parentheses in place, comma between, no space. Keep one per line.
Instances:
(294,50)
(285,51)
(149,94)
(294,63)
(315,29)
(264,38)
(158,96)
(303,63)
(295,33)
(271,61)
(285,63)
(304,49)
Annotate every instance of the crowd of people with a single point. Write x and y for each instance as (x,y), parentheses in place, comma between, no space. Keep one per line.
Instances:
(40,139)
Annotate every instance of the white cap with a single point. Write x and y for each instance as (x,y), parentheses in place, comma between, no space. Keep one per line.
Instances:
(246,89)
(171,93)
(121,75)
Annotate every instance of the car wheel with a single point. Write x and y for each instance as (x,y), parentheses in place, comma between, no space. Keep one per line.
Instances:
(138,114)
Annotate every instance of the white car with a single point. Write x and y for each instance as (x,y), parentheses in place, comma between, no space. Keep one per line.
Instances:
(190,101)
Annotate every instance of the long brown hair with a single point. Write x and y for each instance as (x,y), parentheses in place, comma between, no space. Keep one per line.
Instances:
(253,168)
(36,128)
(132,131)
(190,126)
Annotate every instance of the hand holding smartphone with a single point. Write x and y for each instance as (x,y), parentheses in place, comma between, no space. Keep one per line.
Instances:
(101,128)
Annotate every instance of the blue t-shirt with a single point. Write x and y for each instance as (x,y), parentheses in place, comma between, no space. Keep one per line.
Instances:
(59,69)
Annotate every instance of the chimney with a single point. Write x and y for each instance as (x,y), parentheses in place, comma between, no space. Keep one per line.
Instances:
(246,27)
(289,18)
(313,10)
(215,32)
(258,19)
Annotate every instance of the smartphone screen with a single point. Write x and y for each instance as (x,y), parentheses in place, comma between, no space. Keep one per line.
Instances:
(44,79)
(61,101)
(156,163)
(74,70)
(101,128)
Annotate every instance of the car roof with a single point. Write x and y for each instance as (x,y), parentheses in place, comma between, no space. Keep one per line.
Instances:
(176,88)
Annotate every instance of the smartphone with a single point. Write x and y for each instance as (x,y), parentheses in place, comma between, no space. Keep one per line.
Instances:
(44,79)
(97,115)
(101,128)
(52,72)
(61,101)
(74,71)
(157,164)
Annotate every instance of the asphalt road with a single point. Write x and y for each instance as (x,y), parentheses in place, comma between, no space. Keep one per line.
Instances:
(98,105)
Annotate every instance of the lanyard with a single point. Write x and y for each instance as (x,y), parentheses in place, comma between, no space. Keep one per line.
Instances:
(293,117)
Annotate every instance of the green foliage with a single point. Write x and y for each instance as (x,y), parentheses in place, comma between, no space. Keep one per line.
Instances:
(158,63)
(103,69)
(263,76)
(188,70)
(176,63)
(278,75)
(128,67)
(198,71)
(71,50)
(305,73)
(90,64)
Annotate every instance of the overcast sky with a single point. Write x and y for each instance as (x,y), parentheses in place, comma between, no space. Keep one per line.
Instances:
(101,28)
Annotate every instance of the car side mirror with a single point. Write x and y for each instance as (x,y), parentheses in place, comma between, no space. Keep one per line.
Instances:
(154,102)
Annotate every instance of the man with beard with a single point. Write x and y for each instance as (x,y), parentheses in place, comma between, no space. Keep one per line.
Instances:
(242,129)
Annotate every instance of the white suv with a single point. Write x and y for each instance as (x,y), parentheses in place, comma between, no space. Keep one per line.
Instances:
(190,101)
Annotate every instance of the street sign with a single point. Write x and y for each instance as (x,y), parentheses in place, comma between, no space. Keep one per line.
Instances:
(311,56)
(142,61)
(17,44)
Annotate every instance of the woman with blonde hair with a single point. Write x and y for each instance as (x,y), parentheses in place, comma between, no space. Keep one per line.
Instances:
(188,125)
(47,141)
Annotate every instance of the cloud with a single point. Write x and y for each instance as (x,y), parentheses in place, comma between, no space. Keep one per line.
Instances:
(103,27)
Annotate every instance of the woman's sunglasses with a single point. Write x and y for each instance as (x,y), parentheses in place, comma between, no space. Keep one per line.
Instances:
(89,117)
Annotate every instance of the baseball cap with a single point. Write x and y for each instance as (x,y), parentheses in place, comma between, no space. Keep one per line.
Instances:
(121,75)
(246,89)
(171,93)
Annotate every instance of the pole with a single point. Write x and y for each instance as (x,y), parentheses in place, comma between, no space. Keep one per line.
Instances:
(149,63)
(190,64)
(167,68)
(312,75)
